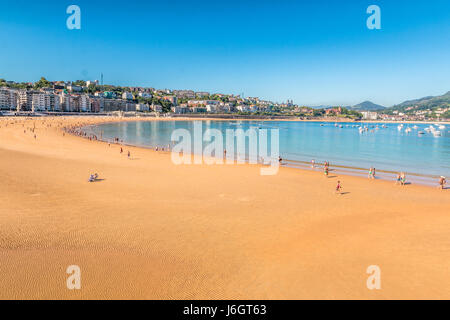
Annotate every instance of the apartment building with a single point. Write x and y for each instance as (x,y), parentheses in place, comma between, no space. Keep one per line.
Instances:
(52,102)
(24,100)
(66,102)
(38,101)
(8,99)
(118,105)
(97,104)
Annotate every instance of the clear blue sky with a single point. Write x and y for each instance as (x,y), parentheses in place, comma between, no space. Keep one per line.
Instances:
(314,52)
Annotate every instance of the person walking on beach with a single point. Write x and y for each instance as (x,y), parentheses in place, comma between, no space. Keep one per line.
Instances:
(129,154)
(442,182)
(373,173)
(121,150)
(313,163)
(325,171)
(338,188)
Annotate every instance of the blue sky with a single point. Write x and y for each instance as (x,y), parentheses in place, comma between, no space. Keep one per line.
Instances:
(314,52)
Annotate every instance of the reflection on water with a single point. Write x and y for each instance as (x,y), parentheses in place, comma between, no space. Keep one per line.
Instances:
(384,147)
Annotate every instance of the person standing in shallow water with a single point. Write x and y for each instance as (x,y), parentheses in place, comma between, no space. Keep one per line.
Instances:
(442,182)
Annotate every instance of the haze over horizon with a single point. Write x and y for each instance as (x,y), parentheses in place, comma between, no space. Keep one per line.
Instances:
(276,51)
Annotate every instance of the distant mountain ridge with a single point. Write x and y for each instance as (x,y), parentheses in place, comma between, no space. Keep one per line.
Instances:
(367,106)
(426,102)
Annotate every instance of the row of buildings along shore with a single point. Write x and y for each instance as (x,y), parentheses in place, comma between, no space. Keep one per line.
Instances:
(66,97)
(90,97)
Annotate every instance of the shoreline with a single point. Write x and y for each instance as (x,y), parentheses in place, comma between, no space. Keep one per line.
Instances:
(231,117)
(429,180)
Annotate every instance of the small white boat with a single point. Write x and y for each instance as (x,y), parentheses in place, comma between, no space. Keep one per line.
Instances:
(436,133)
(442,127)
(415,127)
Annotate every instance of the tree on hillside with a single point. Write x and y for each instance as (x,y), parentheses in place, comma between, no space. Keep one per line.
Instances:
(42,83)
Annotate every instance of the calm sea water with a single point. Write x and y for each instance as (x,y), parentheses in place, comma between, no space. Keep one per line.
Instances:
(387,149)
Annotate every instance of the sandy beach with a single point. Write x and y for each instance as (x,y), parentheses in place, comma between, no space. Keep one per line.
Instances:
(150,229)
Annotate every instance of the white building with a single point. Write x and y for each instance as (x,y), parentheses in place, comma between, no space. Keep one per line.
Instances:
(145,95)
(24,100)
(211,108)
(142,107)
(38,102)
(66,102)
(85,103)
(368,115)
(8,99)
(242,108)
(52,102)
(156,108)
(89,82)
(127,96)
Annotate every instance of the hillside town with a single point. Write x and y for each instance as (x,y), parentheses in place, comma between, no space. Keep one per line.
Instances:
(91,97)
(49,97)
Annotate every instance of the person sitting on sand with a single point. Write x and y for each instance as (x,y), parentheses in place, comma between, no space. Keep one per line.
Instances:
(442,182)
(93,177)
(339,187)
(403,178)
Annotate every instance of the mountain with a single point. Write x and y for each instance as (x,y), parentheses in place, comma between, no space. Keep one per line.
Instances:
(367,106)
(426,102)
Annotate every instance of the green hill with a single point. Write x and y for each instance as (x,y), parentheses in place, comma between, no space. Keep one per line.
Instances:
(367,106)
